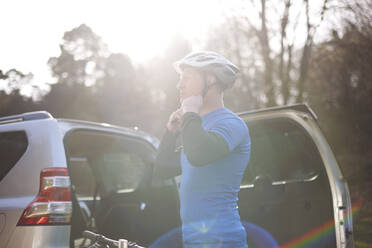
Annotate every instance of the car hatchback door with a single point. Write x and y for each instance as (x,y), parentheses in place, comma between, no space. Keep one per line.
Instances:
(292,191)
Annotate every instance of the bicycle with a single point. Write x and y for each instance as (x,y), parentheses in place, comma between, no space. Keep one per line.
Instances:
(100,241)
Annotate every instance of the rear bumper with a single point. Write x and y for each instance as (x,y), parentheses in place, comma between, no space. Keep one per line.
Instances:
(40,236)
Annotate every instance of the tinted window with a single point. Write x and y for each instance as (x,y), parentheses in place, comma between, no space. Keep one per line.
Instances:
(117,163)
(12,146)
(282,150)
(82,177)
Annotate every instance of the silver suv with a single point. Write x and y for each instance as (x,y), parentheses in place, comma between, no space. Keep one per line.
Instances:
(59,177)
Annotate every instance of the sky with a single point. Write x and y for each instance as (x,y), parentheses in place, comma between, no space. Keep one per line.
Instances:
(31,31)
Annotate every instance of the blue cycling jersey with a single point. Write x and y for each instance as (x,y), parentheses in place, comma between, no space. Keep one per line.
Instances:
(209,193)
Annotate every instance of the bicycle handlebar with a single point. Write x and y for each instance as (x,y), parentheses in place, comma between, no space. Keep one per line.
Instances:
(103,240)
(100,238)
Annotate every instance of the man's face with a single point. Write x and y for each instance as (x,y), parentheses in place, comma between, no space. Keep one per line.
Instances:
(191,83)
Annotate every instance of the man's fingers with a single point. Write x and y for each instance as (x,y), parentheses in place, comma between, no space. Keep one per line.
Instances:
(175,119)
(179,113)
(177,116)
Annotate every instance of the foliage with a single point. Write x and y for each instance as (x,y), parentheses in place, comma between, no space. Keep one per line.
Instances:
(94,84)
(264,39)
(340,93)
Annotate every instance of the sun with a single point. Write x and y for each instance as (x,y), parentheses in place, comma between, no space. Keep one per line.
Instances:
(143,29)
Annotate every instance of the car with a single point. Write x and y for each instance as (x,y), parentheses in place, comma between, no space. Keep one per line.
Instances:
(60,177)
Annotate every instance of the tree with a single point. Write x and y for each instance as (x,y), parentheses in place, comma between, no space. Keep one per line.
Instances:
(82,57)
(17,93)
(118,96)
(95,84)
(159,76)
(15,80)
(340,93)
(266,46)
(77,69)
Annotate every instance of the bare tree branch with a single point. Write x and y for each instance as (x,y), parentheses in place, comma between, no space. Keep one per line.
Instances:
(283,33)
(306,53)
(305,56)
(265,46)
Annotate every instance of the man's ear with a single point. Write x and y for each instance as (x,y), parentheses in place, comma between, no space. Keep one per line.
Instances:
(211,79)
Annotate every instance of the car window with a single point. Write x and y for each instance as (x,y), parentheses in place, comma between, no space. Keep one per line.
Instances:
(82,176)
(126,170)
(112,162)
(12,146)
(283,151)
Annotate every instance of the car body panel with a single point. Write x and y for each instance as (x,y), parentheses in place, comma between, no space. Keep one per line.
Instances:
(45,149)
(67,125)
(335,177)
(40,236)
(2,222)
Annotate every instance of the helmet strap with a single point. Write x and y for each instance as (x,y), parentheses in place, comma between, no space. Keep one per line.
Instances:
(206,86)
(205,90)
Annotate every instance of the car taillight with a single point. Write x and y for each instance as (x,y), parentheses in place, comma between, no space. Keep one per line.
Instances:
(52,206)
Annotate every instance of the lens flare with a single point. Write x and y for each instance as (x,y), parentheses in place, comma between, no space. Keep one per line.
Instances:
(257,236)
(318,234)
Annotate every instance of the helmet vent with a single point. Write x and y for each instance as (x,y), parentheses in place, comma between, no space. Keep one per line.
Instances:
(202,59)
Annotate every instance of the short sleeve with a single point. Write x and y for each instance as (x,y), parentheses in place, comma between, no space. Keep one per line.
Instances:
(233,130)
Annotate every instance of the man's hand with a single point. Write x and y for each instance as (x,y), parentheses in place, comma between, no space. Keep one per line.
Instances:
(175,121)
(192,104)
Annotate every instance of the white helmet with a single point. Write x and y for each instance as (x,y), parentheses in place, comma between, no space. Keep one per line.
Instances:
(211,62)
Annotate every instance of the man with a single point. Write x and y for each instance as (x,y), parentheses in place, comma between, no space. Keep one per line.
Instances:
(215,152)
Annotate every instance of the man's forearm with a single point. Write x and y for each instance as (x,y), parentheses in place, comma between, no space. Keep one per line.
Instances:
(167,162)
(201,147)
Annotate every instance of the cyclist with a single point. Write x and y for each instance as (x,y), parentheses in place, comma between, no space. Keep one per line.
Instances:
(215,152)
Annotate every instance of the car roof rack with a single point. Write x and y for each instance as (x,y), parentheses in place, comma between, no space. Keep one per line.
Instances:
(37,115)
(302,107)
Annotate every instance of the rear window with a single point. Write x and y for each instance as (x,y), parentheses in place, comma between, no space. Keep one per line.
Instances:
(12,146)
(283,151)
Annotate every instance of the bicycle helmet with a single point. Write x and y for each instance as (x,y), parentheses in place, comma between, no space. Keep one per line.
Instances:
(210,62)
